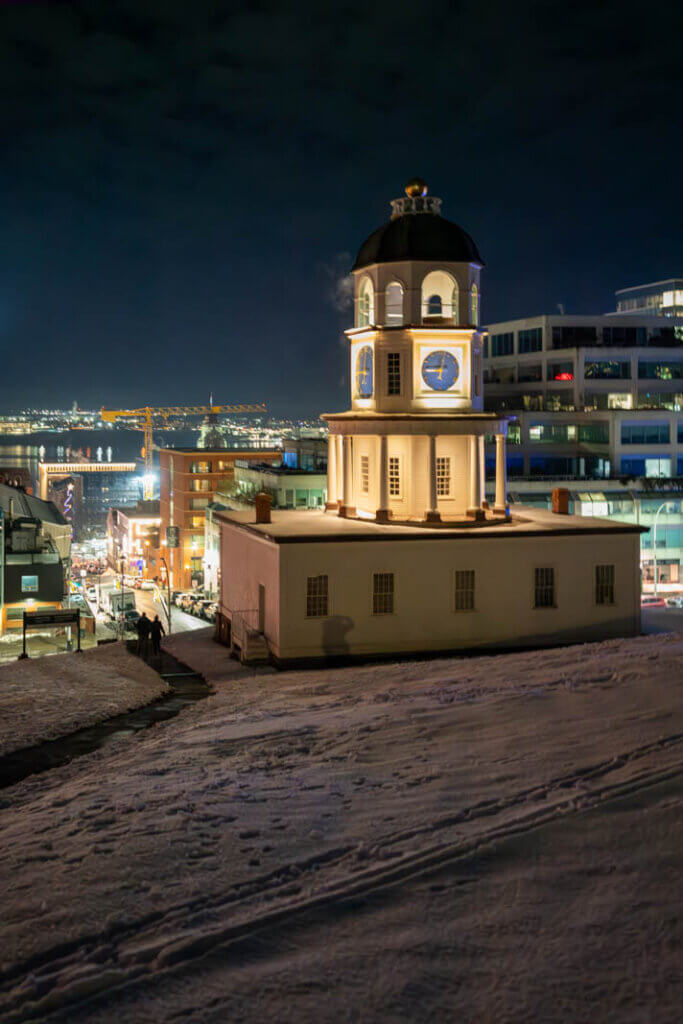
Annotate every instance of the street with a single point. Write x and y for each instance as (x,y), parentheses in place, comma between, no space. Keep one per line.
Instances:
(181,622)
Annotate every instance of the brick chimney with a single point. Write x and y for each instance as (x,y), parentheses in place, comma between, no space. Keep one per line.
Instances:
(262,503)
(561,501)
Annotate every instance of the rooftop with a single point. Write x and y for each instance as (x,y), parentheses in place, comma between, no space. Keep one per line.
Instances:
(240,452)
(292,527)
(29,506)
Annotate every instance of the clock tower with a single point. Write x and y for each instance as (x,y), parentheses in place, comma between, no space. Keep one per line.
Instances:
(411,448)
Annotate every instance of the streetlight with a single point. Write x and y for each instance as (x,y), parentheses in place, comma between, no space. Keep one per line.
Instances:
(654,542)
(168,591)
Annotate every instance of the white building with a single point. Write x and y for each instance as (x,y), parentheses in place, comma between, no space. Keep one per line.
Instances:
(408,555)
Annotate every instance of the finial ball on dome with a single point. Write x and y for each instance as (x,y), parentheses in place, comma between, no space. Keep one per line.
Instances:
(416,187)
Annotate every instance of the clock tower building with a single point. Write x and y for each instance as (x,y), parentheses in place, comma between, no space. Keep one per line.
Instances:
(411,447)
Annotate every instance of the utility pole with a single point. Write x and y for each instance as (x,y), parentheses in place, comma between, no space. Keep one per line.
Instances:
(2,567)
(168,592)
(123,621)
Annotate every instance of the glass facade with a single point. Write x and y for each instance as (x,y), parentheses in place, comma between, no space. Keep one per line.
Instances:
(645,433)
(503,344)
(561,371)
(646,465)
(530,340)
(650,369)
(608,369)
(570,337)
(530,372)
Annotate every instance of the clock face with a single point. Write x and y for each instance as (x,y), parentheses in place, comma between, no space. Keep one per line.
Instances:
(440,370)
(364,372)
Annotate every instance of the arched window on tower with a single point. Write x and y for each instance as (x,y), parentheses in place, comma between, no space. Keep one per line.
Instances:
(455,298)
(366,303)
(393,304)
(438,289)
(474,304)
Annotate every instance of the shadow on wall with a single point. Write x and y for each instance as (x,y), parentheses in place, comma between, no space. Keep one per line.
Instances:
(334,635)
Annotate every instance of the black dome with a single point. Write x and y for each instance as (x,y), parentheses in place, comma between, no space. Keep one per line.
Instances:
(418,236)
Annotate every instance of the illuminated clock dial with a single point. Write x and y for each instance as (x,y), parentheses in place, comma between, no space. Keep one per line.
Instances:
(440,370)
(364,372)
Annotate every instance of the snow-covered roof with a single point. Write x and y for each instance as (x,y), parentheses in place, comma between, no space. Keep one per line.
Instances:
(289,526)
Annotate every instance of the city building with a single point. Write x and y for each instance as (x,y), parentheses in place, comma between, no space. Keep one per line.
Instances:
(409,556)
(603,362)
(288,487)
(133,539)
(84,490)
(35,554)
(188,480)
(305,453)
(662,298)
(654,504)
(594,398)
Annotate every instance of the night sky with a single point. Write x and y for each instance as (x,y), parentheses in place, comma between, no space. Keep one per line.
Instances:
(184,182)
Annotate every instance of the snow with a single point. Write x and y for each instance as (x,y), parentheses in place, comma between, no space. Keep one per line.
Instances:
(490,838)
(43,698)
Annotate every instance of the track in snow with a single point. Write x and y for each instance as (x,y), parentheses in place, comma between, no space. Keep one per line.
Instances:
(123,959)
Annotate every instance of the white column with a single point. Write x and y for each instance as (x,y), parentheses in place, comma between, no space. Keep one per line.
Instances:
(347,509)
(382,513)
(482,467)
(475,511)
(432,514)
(331,472)
(500,507)
(340,469)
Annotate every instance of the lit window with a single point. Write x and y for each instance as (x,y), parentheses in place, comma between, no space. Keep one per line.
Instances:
(544,588)
(474,304)
(365,473)
(443,477)
(393,302)
(439,291)
(604,584)
(383,593)
(393,373)
(316,597)
(394,476)
(464,590)
(366,303)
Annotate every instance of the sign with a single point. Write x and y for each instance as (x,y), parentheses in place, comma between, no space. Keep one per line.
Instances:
(51,618)
(172,536)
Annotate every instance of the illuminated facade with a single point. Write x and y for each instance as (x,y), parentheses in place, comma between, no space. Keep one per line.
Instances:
(188,480)
(661,298)
(133,538)
(408,556)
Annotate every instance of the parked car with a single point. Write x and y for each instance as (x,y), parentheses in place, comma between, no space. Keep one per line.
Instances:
(130,618)
(203,608)
(675,601)
(178,598)
(652,602)
(91,593)
(147,585)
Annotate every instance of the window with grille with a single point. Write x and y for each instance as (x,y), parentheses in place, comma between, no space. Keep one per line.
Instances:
(394,476)
(464,590)
(443,477)
(393,373)
(316,596)
(544,588)
(383,593)
(604,584)
(365,473)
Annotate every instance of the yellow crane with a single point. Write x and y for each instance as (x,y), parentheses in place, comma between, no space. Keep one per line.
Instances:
(145,421)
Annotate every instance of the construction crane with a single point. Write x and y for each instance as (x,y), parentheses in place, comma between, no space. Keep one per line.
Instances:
(148,414)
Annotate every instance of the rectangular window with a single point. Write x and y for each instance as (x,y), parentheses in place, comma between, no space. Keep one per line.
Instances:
(200,485)
(394,476)
(529,372)
(443,477)
(571,337)
(29,584)
(383,593)
(316,597)
(503,344)
(393,373)
(645,433)
(561,371)
(544,588)
(196,503)
(649,369)
(607,369)
(464,590)
(530,340)
(200,467)
(604,584)
(365,473)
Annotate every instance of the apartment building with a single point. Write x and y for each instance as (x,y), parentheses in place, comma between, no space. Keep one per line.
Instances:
(188,480)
